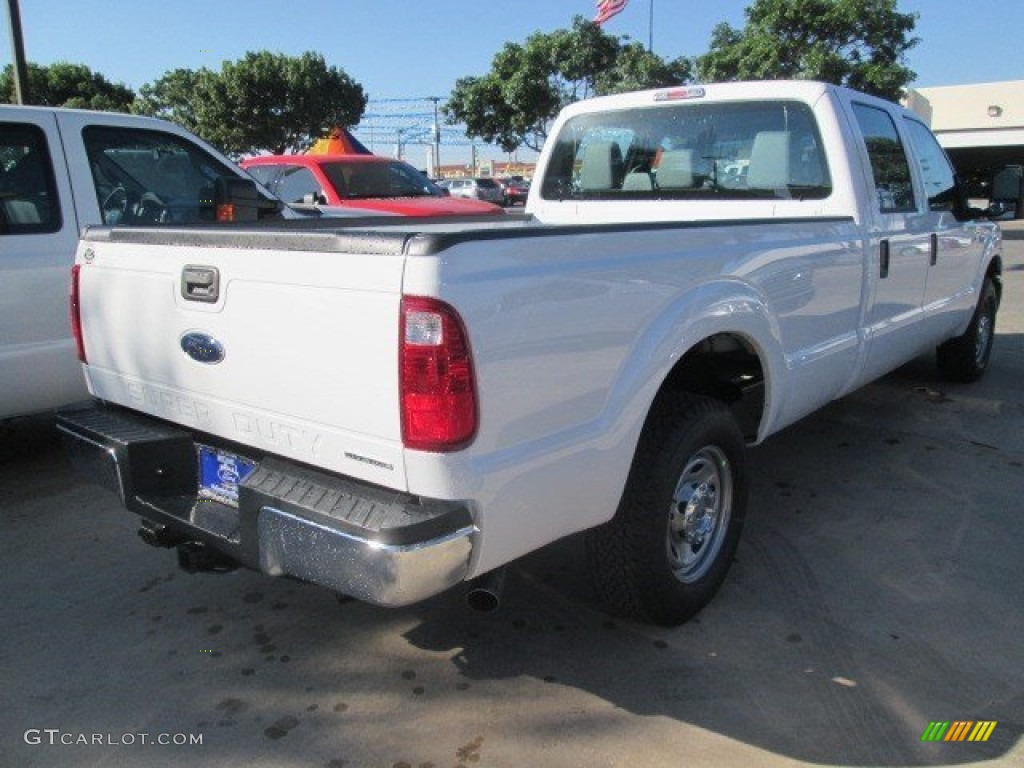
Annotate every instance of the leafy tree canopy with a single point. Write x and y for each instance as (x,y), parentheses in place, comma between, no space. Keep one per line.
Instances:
(856,43)
(515,102)
(68,85)
(262,102)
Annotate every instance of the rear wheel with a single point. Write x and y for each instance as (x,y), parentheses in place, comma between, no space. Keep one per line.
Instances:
(965,358)
(672,540)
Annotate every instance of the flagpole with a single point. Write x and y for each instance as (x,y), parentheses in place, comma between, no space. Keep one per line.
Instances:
(650,29)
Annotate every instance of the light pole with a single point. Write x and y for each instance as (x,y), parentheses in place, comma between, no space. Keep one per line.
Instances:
(21,92)
(437,139)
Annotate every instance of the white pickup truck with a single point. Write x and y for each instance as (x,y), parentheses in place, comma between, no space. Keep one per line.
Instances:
(391,410)
(60,171)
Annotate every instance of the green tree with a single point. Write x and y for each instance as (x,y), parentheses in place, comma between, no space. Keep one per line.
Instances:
(68,85)
(262,102)
(514,103)
(856,43)
(637,68)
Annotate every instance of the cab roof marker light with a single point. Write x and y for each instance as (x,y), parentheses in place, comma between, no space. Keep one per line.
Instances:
(680,94)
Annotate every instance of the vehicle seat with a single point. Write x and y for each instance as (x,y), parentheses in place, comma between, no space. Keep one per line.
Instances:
(22,212)
(638,181)
(769,161)
(675,169)
(24,191)
(602,166)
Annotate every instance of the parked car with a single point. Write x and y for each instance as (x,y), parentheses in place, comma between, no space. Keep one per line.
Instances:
(516,190)
(367,181)
(479,188)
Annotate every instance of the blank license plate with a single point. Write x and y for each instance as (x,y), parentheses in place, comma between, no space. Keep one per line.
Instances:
(220,473)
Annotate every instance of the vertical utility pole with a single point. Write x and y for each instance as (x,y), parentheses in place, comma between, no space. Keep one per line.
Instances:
(437,140)
(21,94)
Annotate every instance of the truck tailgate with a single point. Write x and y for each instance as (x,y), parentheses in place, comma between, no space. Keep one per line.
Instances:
(292,352)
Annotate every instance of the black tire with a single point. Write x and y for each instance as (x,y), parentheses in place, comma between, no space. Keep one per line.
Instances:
(965,358)
(668,548)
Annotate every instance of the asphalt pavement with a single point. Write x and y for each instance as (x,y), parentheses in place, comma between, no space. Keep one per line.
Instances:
(877,590)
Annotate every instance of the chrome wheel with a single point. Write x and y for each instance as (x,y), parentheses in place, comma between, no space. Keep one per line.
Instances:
(699,514)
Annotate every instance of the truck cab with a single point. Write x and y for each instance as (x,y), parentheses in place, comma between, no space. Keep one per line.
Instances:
(62,170)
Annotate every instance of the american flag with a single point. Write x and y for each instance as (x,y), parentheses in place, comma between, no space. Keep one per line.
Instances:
(608,8)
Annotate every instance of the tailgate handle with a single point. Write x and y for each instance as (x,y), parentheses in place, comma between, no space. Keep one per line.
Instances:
(200,283)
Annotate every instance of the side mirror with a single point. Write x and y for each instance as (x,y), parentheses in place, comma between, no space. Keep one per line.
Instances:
(236,199)
(314,198)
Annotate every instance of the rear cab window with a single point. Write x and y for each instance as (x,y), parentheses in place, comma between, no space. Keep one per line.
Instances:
(28,189)
(709,151)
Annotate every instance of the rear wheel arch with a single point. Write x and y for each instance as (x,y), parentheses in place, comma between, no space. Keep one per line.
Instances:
(725,366)
(994,272)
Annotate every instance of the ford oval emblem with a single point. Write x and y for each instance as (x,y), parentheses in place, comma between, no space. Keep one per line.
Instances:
(202,348)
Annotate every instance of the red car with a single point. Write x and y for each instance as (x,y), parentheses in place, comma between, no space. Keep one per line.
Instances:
(369,182)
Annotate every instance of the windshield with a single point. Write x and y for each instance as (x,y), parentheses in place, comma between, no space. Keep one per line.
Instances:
(690,151)
(391,179)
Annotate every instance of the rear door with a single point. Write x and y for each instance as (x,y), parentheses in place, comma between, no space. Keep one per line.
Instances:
(38,233)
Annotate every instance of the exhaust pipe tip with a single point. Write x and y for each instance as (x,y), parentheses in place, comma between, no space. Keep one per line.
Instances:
(484,592)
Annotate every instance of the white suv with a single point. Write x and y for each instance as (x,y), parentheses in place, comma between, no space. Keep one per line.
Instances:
(478,189)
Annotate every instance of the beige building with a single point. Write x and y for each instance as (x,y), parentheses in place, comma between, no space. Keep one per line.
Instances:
(981,126)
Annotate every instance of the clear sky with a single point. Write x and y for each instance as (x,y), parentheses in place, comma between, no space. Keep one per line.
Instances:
(418,48)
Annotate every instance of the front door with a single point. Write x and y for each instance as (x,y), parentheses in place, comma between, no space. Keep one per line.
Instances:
(38,234)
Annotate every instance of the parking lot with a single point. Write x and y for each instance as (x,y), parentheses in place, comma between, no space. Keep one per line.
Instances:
(877,589)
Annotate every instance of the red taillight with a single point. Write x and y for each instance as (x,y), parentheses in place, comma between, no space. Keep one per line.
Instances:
(437,385)
(225,212)
(76,314)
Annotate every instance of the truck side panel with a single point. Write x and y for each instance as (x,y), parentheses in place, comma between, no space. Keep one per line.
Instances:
(573,335)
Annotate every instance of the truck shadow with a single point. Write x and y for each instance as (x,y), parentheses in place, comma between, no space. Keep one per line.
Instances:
(874,592)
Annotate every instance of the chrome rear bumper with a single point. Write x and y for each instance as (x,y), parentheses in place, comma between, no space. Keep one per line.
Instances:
(373,544)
